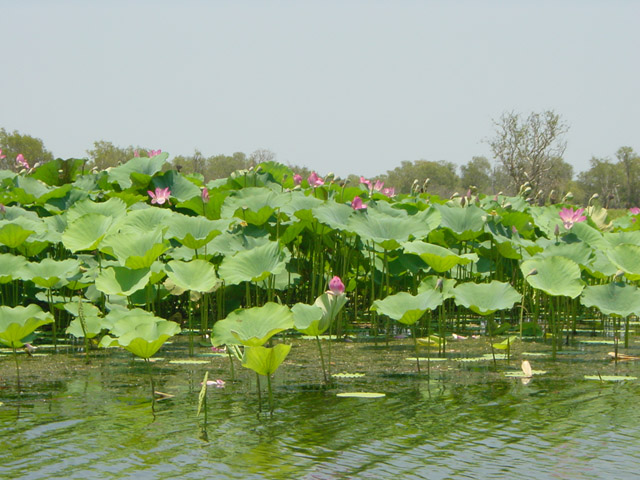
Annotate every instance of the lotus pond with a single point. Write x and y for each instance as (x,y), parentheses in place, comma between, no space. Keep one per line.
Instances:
(138,284)
(466,420)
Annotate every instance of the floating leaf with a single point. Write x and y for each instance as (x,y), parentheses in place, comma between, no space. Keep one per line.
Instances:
(609,378)
(360,395)
(348,375)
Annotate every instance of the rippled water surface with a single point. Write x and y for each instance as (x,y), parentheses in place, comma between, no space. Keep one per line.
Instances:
(465,421)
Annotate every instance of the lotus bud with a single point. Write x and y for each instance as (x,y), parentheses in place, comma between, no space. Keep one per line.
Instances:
(567,198)
(533,272)
(439,284)
(619,274)
(414,185)
(508,206)
(455,195)
(336,287)
(514,230)
(595,196)
(556,232)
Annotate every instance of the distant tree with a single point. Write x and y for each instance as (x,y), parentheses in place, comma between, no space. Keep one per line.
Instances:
(30,147)
(442,176)
(105,154)
(260,156)
(629,161)
(477,172)
(526,148)
(556,184)
(604,178)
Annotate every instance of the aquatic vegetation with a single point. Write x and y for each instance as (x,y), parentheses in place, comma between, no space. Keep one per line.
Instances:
(264,254)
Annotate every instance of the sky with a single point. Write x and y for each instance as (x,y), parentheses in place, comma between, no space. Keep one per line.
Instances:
(343,86)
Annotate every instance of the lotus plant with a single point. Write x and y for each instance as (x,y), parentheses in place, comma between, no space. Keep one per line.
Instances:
(357,204)
(569,217)
(160,196)
(314,180)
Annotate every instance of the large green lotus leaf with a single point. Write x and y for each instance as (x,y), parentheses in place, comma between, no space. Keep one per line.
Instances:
(600,266)
(307,319)
(49,272)
(136,250)
(114,207)
(580,252)
(466,223)
(228,244)
(254,205)
(431,283)
(486,298)
(143,169)
(122,280)
(145,338)
(196,275)
(612,299)
(439,258)
(18,322)
(221,334)
(93,326)
(263,360)
(334,215)
(627,258)
(145,220)
(613,239)
(331,305)
(86,232)
(407,308)
(588,234)
(254,326)
(301,205)
(180,187)
(254,265)
(10,267)
(555,276)
(195,232)
(13,235)
(386,230)
(58,172)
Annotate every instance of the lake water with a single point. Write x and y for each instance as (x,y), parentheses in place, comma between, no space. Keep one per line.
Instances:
(465,422)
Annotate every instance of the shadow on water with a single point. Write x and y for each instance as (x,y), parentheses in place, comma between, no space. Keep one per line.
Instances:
(465,421)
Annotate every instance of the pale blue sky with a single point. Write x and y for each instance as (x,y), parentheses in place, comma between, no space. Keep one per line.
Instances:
(343,86)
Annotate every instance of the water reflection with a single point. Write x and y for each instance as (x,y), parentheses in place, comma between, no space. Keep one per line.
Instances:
(464,422)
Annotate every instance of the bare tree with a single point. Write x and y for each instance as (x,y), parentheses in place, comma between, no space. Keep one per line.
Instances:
(527,148)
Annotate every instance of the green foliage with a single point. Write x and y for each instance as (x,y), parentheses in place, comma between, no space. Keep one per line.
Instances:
(14,143)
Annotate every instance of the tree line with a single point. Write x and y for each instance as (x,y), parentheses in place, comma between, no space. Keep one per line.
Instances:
(527,159)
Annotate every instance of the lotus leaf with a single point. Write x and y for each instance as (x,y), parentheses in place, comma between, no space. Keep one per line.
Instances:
(627,258)
(330,305)
(386,230)
(254,326)
(196,275)
(49,273)
(13,235)
(618,299)
(335,215)
(254,265)
(407,308)
(486,298)
(308,319)
(18,322)
(195,232)
(438,258)
(114,207)
(122,280)
(465,223)
(263,360)
(10,266)
(555,276)
(360,395)
(136,250)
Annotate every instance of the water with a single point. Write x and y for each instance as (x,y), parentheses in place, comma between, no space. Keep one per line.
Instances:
(466,422)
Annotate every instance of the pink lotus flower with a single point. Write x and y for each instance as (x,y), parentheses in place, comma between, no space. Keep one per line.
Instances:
(569,217)
(218,349)
(160,196)
(632,211)
(297,179)
(364,181)
(336,287)
(357,204)
(153,153)
(136,153)
(389,191)
(378,185)
(1,155)
(205,195)
(314,180)
(218,383)
(20,161)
